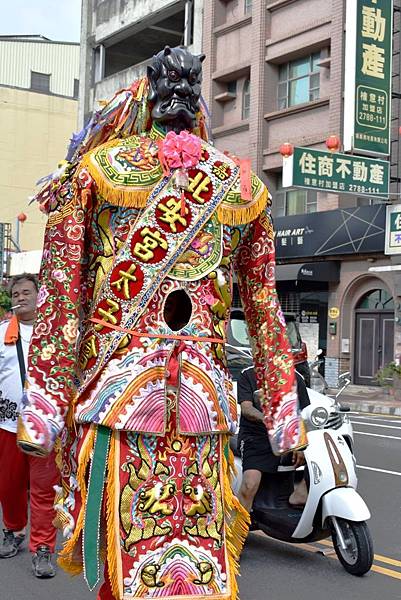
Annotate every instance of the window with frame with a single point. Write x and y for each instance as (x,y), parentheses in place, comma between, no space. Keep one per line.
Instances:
(368,201)
(246,100)
(247,6)
(293,202)
(299,81)
(76,88)
(40,82)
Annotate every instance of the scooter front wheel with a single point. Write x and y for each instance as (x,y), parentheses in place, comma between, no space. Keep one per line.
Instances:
(353,545)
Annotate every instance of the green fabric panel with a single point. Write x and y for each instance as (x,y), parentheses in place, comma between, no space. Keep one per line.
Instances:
(94,506)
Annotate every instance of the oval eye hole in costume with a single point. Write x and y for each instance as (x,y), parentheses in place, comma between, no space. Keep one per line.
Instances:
(177,310)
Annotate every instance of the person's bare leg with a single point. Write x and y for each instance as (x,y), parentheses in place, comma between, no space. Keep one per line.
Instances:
(249,486)
(300,494)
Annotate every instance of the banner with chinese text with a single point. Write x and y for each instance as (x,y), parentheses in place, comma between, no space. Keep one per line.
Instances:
(393,229)
(335,172)
(368,64)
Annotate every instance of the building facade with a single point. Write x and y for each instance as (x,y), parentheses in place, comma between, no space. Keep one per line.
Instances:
(38,113)
(274,73)
(119,37)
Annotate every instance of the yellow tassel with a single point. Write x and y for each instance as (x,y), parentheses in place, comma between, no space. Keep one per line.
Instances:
(113,538)
(65,559)
(241,214)
(237,522)
(117,195)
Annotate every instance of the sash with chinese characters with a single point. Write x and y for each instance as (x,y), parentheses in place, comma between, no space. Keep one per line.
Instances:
(163,231)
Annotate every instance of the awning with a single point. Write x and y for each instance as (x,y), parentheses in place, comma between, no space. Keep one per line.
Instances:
(328,271)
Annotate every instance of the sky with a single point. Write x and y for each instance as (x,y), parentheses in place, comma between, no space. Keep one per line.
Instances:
(59,20)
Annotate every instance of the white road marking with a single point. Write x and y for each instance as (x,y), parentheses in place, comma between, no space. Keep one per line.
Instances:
(388,437)
(379,470)
(376,425)
(394,420)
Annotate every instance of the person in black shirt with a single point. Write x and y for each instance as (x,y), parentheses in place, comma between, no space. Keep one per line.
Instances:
(253,440)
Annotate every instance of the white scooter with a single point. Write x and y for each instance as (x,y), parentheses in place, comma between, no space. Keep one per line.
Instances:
(333,507)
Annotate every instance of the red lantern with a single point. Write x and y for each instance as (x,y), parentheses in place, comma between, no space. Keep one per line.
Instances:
(286,150)
(333,143)
(22,217)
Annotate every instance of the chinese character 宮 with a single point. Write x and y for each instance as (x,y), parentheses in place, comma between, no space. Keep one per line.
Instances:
(151,240)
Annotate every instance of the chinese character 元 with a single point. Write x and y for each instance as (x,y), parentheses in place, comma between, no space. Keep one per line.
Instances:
(108,314)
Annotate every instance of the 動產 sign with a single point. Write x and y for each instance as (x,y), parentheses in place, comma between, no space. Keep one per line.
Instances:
(393,229)
(335,172)
(368,64)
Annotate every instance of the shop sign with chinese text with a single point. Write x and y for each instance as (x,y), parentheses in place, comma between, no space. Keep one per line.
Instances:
(393,229)
(335,172)
(368,64)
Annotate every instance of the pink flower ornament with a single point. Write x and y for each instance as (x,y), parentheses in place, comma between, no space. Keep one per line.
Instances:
(181,150)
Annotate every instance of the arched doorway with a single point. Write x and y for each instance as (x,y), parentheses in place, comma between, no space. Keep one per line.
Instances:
(374,335)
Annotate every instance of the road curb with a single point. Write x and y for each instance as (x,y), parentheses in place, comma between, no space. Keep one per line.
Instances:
(373,407)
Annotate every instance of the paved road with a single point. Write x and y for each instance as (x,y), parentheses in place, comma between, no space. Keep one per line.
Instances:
(275,571)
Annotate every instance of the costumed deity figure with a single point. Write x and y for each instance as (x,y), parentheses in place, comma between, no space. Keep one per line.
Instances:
(146,222)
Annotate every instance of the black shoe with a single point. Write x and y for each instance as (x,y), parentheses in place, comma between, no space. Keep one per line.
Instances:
(253,526)
(11,544)
(41,563)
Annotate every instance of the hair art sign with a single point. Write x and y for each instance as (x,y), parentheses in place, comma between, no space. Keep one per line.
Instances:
(368,64)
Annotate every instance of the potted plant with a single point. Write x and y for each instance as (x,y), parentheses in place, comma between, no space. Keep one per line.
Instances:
(389,377)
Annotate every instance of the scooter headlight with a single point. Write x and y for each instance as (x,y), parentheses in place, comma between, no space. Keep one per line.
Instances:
(319,416)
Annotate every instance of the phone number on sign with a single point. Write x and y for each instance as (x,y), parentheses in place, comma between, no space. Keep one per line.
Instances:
(362,189)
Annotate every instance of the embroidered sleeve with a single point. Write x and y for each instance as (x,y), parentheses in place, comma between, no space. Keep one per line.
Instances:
(255,263)
(50,373)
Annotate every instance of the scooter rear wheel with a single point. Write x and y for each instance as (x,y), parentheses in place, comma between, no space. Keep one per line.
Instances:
(357,557)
